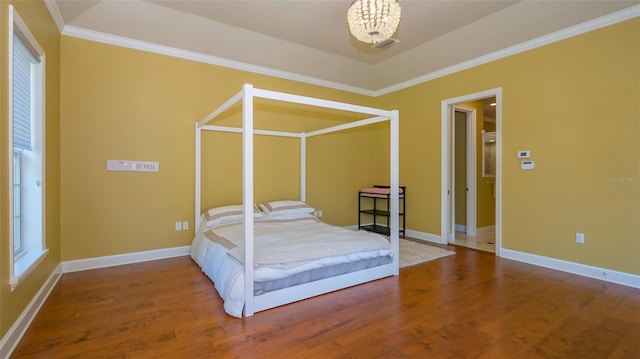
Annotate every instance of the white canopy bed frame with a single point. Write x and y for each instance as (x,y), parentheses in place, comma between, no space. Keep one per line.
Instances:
(283,296)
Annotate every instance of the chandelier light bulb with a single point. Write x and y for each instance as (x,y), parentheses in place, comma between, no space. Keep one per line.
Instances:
(373,21)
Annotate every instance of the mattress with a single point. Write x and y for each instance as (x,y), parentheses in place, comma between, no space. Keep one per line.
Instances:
(331,251)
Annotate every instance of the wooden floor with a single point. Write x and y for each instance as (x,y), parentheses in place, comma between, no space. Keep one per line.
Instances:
(470,305)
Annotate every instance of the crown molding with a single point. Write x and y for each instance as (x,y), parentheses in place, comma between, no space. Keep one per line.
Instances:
(203,58)
(54,11)
(607,20)
(591,25)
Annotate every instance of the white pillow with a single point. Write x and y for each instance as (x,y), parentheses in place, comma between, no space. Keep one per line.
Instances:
(286,208)
(227,214)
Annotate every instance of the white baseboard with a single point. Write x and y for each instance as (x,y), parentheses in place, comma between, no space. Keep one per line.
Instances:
(120,259)
(20,326)
(479,231)
(604,274)
(425,236)
(413,234)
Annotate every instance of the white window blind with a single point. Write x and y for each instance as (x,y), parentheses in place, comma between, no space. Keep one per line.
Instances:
(23,61)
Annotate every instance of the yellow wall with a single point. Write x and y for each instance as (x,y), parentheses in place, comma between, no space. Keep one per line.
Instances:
(37,18)
(119,103)
(559,101)
(575,105)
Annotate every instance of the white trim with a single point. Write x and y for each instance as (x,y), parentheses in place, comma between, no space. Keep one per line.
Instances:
(445,135)
(125,258)
(612,276)
(607,275)
(591,25)
(579,29)
(498,178)
(24,266)
(424,236)
(20,269)
(109,39)
(54,11)
(479,231)
(472,172)
(20,326)
(198,175)
(471,169)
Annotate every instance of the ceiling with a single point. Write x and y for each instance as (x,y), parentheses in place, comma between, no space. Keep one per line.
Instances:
(310,39)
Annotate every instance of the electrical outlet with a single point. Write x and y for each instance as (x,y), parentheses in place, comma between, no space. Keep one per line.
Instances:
(185,225)
(579,237)
(320,213)
(178,226)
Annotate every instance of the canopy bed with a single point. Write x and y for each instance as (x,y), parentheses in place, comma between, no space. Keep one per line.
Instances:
(235,245)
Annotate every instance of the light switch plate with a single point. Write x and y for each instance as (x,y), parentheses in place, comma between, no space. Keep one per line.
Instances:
(524,154)
(133,166)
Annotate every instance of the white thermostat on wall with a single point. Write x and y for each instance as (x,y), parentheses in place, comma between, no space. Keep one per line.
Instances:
(524,154)
(527,165)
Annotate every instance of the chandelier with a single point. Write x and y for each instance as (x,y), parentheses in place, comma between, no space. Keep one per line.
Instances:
(373,21)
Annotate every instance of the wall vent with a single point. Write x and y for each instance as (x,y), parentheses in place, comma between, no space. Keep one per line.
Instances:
(386,43)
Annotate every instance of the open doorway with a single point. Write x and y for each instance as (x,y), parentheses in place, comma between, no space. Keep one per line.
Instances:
(471,170)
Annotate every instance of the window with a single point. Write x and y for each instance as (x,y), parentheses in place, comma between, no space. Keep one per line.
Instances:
(26,142)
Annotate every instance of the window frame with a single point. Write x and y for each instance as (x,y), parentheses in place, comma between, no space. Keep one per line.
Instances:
(17,157)
(25,261)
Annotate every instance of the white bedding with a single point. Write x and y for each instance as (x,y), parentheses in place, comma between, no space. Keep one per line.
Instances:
(282,247)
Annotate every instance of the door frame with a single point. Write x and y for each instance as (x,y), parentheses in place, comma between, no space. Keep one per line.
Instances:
(446,188)
(471,183)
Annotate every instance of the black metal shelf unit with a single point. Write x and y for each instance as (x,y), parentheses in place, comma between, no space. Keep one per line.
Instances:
(376,213)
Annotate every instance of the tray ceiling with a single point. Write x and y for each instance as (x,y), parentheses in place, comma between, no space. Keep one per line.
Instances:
(311,39)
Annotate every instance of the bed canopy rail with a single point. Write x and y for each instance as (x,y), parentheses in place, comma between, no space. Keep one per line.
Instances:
(246,96)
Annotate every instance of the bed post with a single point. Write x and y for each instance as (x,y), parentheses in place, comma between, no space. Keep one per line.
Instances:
(198,175)
(394,167)
(247,195)
(303,167)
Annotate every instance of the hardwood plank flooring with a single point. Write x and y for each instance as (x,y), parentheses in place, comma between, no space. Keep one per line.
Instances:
(470,305)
